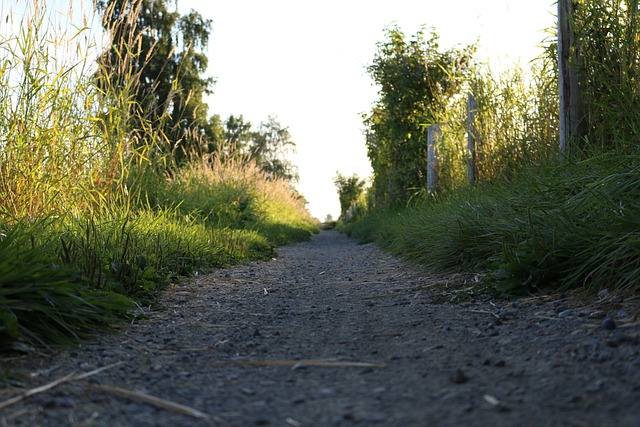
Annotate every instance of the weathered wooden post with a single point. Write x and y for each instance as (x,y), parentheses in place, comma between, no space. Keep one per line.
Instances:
(471,139)
(568,84)
(434,135)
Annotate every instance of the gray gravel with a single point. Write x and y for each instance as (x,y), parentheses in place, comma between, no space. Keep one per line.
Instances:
(332,333)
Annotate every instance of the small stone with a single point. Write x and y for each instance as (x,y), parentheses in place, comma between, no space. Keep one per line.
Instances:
(348,416)
(608,324)
(248,391)
(460,377)
(565,313)
(66,402)
(326,391)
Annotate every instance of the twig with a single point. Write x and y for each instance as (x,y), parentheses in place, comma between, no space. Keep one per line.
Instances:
(485,312)
(156,401)
(324,363)
(70,377)
(36,390)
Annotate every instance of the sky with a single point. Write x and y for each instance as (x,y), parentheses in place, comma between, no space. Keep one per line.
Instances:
(305,63)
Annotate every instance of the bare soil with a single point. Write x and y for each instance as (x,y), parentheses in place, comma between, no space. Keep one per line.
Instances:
(332,333)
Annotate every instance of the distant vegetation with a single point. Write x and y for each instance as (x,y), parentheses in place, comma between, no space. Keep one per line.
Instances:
(114,182)
(533,218)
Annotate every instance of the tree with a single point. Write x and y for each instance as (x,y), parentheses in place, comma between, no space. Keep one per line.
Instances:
(270,148)
(165,53)
(416,83)
(237,136)
(350,190)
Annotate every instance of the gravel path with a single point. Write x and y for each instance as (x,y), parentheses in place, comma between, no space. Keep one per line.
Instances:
(332,333)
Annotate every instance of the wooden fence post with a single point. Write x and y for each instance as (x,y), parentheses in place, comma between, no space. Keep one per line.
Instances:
(434,135)
(472,169)
(568,84)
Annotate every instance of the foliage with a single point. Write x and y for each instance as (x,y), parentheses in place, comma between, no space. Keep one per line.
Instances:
(93,212)
(237,136)
(516,118)
(42,301)
(533,220)
(165,52)
(608,41)
(416,84)
(350,190)
(566,224)
(270,147)
(50,154)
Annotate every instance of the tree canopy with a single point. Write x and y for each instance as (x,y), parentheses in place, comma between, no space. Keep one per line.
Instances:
(350,189)
(416,81)
(166,52)
(270,148)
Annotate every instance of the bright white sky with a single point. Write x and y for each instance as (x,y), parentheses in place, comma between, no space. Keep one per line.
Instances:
(304,62)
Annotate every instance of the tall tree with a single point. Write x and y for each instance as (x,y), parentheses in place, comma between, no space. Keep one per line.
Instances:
(164,51)
(350,189)
(270,147)
(416,81)
(237,136)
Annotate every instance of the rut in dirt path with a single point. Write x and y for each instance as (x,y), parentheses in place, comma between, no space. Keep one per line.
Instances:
(332,333)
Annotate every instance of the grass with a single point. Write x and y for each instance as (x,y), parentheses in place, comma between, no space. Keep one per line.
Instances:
(44,302)
(567,224)
(536,220)
(93,217)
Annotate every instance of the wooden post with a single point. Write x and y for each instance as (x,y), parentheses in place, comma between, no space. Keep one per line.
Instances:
(568,62)
(434,135)
(471,139)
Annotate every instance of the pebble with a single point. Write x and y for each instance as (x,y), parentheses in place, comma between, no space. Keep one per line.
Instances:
(248,391)
(460,377)
(326,391)
(608,324)
(564,314)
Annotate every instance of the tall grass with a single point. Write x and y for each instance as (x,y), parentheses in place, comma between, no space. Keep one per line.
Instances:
(537,220)
(93,211)
(608,39)
(516,125)
(49,152)
(561,225)
(516,121)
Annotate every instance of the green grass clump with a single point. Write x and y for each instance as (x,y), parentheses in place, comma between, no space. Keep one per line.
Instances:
(43,302)
(559,226)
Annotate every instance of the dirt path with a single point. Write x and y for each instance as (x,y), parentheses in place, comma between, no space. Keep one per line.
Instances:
(336,334)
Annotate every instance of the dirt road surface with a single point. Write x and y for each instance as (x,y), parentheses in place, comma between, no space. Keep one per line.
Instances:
(332,333)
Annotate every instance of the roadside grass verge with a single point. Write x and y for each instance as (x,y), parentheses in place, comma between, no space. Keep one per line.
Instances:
(84,268)
(564,225)
(94,216)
